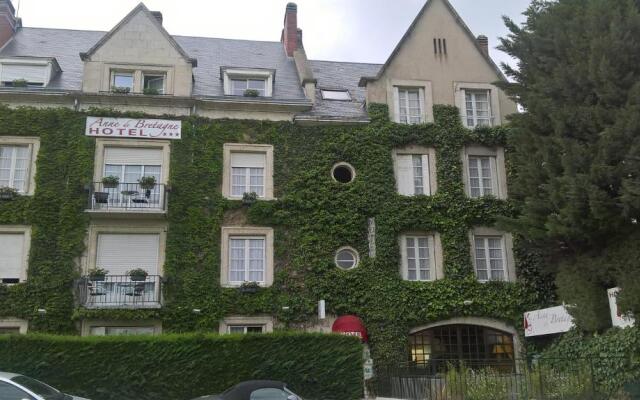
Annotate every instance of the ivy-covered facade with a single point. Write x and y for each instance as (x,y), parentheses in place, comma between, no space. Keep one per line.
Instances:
(335,216)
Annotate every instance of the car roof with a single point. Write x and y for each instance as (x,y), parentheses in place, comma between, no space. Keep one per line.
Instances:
(8,375)
(243,390)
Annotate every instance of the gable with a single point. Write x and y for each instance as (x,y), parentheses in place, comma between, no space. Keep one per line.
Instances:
(140,39)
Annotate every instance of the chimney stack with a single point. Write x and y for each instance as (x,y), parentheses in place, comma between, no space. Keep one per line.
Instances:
(8,22)
(483,42)
(291,35)
(158,16)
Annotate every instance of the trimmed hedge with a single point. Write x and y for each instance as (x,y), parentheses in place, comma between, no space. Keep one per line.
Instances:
(181,367)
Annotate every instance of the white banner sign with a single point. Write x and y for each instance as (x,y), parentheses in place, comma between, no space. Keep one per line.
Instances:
(618,319)
(547,321)
(133,128)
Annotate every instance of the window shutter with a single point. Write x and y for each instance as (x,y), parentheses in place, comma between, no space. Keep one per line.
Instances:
(119,253)
(426,176)
(396,104)
(404,174)
(461,102)
(11,255)
(423,112)
(248,160)
(132,156)
(30,73)
(494,176)
(432,258)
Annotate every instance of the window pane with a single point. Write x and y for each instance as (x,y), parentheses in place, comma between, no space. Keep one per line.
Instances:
(239,181)
(254,329)
(238,86)
(123,80)
(236,329)
(418,181)
(155,82)
(345,259)
(256,181)
(132,173)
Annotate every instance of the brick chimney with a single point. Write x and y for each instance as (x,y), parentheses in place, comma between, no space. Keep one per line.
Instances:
(157,15)
(483,42)
(8,22)
(291,35)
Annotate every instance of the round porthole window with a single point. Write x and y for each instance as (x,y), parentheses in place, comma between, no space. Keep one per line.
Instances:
(343,172)
(347,258)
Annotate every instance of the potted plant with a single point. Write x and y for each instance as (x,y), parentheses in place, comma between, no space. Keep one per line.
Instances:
(251,93)
(120,89)
(8,193)
(19,83)
(110,182)
(97,274)
(138,274)
(249,198)
(150,91)
(249,287)
(147,183)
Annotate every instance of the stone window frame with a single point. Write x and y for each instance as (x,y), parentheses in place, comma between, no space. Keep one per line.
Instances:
(438,262)
(34,147)
(26,231)
(484,151)
(123,227)
(138,71)
(393,101)
(419,150)
(102,144)
(460,100)
(229,148)
(265,321)
(21,324)
(86,325)
(507,241)
(230,231)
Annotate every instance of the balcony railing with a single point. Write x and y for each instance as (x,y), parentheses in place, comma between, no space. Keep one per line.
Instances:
(120,291)
(127,197)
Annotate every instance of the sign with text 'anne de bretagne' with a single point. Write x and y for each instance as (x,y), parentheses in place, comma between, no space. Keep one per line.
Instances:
(547,321)
(133,128)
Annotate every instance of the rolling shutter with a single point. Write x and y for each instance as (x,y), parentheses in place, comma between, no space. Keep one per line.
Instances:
(404,174)
(30,73)
(11,255)
(248,160)
(119,253)
(132,156)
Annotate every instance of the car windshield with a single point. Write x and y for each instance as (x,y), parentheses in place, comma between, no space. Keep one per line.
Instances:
(39,388)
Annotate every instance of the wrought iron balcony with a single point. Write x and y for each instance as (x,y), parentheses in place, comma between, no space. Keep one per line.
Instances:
(127,197)
(120,291)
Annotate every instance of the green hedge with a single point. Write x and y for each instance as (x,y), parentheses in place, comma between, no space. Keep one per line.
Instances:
(181,367)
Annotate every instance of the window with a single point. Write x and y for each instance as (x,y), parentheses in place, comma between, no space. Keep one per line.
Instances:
(247,256)
(489,258)
(12,326)
(244,329)
(26,74)
(122,330)
(122,81)
(9,330)
(238,80)
(419,258)
(247,168)
(153,83)
(415,170)
(120,252)
(15,161)
(335,95)
(410,105)
(438,347)
(478,108)
(343,172)
(11,392)
(482,176)
(14,250)
(247,259)
(347,258)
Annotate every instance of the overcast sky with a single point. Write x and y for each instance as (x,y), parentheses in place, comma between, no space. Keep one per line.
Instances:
(340,30)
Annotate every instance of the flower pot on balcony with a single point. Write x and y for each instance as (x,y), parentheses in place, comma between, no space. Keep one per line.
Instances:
(249,287)
(138,275)
(101,197)
(97,277)
(110,182)
(8,193)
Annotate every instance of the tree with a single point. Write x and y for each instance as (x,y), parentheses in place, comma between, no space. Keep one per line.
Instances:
(577,145)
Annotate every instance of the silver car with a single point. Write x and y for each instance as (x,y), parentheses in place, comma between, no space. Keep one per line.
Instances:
(20,387)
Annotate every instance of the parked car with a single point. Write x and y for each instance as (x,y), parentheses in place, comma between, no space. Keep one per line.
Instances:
(255,390)
(20,387)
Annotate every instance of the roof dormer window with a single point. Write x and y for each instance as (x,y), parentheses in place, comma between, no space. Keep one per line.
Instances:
(27,72)
(335,94)
(248,82)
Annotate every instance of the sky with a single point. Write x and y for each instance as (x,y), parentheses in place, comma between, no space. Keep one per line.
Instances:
(337,30)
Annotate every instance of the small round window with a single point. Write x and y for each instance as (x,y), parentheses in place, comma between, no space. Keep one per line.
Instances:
(343,172)
(347,258)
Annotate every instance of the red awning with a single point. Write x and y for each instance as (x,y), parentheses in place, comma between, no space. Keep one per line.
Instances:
(350,325)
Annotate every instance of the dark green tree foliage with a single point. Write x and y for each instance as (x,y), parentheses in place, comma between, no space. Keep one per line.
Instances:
(578,143)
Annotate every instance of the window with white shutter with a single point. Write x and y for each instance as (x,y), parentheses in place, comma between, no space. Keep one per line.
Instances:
(418,257)
(483,176)
(119,253)
(409,105)
(12,256)
(412,174)
(15,161)
(478,108)
(490,258)
(247,173)
(247,259)
(132,163)
(34,75)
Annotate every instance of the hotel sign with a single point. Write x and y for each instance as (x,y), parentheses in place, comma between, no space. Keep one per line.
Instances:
(617,318)
(547,321)
(133,128)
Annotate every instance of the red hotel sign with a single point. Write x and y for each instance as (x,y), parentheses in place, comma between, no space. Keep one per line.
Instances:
(133,128)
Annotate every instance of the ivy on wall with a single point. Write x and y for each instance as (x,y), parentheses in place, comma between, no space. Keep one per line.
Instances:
(312,217)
